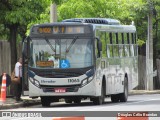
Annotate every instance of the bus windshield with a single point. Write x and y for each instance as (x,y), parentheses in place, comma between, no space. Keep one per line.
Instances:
(60,53)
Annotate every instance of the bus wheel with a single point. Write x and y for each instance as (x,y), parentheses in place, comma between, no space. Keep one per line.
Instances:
(68,100)
(115,98)
(124,95)
(77,100)
(45,102)
(100,99)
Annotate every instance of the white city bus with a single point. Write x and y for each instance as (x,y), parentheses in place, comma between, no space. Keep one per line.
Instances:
(80,58)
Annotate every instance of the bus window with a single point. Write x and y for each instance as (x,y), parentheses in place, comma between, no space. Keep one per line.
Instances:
(116,50)
(129,41)
(109,51)
(114,41)
(114,46)
(125,38)
(110,36)
(121,50)
(117,38)
(122,38)
(135,50)
(133,37)
(132,50)
(126,50)
(107,38)
(104,39)
(128,38)
(97,51)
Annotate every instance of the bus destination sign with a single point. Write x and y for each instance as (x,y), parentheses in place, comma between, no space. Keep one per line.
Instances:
(60,30)
(44,63)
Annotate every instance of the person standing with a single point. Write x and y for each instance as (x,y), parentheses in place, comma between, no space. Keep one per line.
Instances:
(18,74)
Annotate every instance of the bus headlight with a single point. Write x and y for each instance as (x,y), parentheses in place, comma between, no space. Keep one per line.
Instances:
(86,81)
(34,82)
(90,79)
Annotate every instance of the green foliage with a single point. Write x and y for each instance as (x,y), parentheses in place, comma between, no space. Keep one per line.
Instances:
(118,9)
(44,17)
(25,13)
(140,42)
(21,12)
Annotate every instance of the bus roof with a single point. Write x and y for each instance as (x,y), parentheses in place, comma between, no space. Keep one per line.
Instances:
(107,21)
(101,24)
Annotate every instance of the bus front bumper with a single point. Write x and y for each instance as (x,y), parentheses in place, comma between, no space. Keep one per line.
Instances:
(87,90)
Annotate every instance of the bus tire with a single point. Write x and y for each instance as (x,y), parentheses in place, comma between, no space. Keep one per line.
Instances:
(77,100)
(124,95)
(115,98)
(100,99)
(68,100)
(45,102)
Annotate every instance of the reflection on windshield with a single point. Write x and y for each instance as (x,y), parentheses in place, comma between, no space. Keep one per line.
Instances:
(61,53)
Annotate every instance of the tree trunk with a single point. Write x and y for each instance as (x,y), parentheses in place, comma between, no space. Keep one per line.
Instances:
(13,43)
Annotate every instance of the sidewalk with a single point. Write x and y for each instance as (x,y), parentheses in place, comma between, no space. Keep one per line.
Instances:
(139,92)
(11,103)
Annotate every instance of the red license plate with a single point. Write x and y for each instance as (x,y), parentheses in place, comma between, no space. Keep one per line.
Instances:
(59,90)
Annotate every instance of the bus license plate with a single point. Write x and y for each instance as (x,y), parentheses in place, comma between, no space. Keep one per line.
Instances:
(59,90)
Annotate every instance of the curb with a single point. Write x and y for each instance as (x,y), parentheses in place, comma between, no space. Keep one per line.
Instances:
(141,92)
(20,104)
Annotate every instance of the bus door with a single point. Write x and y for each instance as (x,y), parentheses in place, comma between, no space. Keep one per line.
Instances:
(25,86)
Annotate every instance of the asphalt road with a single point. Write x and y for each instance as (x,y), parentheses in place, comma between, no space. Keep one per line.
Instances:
(107,111)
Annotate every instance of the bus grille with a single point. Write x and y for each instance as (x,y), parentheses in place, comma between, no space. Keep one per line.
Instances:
(57,75)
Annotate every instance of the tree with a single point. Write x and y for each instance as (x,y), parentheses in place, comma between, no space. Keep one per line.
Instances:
(16,15)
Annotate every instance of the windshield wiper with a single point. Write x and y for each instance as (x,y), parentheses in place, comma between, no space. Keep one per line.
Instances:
(50,45)
(73,41)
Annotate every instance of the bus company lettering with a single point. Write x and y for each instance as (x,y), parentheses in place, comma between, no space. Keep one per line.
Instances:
(47,81)
(73,80)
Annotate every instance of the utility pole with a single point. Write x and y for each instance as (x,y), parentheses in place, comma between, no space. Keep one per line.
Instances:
(53,13)
(149,49)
